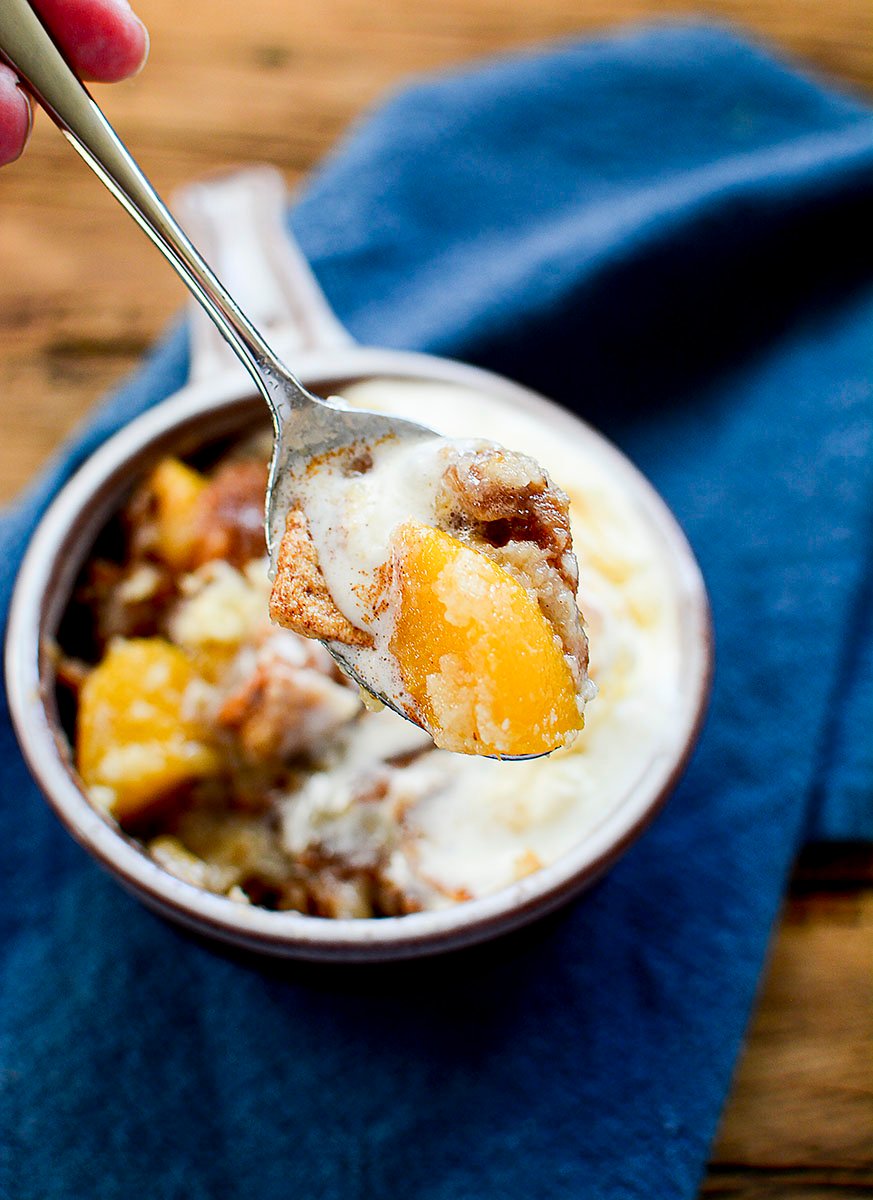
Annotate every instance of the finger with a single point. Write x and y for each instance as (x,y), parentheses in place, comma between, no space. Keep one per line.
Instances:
(103,39)
(16,117)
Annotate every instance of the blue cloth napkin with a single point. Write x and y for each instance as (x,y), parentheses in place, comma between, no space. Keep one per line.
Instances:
(665,230)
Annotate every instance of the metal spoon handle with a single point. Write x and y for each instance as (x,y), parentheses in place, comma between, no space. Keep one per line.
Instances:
(29,49)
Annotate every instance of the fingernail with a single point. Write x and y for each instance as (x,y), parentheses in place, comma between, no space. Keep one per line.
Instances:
(124,6)
(29,103)
(147,43)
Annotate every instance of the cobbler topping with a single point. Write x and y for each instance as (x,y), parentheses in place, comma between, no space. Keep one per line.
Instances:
(300,599)
(230,523)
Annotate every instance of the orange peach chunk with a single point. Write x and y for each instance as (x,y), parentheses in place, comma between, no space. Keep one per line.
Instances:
(483,665)
(133,740)
(177,489)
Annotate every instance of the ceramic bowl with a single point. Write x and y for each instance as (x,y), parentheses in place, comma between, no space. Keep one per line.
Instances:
(238,222)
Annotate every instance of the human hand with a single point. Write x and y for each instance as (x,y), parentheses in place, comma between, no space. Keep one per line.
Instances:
(103,40)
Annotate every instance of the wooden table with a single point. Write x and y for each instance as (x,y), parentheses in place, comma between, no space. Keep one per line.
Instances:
(82,295)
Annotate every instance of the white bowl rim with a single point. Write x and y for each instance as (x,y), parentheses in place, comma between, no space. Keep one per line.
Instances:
(292,933)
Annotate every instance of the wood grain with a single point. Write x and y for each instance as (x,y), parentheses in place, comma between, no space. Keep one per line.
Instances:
(800,1121)
(83,294)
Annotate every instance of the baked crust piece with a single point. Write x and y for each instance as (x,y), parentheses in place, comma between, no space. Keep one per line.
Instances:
(230,521)
(284,708)
(300,599)
(507,497)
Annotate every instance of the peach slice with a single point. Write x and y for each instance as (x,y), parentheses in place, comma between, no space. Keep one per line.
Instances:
(133,738)
(177,489)
(481,662)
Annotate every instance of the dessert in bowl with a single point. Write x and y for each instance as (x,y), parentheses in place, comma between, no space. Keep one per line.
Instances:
(231,778)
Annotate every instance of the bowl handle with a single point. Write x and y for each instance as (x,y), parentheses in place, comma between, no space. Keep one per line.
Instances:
(237,222)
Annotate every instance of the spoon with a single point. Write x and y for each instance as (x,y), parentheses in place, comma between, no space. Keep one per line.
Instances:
(304,425)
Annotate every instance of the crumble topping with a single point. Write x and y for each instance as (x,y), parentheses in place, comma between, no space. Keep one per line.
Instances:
(300,598)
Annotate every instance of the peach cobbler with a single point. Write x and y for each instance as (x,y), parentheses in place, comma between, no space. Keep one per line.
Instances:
(450,566)
(243,761)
